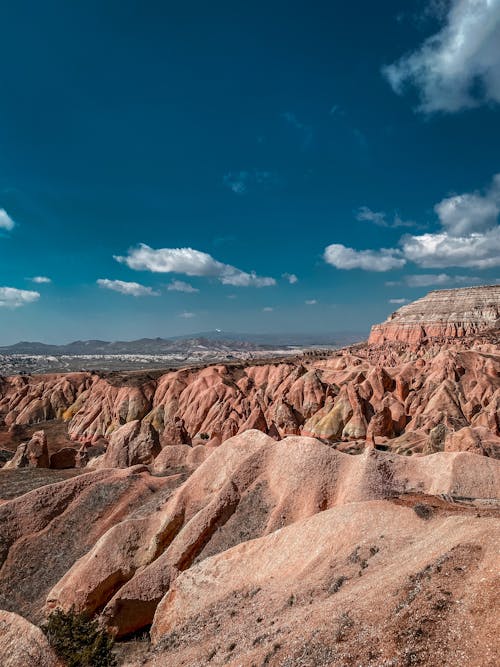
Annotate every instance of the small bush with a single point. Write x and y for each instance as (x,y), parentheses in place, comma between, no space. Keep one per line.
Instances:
(78,640)
(204,436)
(423,511)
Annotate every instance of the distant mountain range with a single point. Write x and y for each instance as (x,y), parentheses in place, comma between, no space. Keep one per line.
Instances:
(213,340)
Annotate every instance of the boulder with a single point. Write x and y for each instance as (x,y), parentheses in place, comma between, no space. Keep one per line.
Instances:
(22,644)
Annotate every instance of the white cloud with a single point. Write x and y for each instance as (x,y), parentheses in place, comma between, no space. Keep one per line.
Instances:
(291,277)
(480,251)
(41,280)
(6,221)
(470,212)
(131,289)
(469,234)
(190,262)
(459,66)
(341,257)
(181,286)
(10,297)
(268,309)
(186,315)
(310,302)
(469,237)
(398,301)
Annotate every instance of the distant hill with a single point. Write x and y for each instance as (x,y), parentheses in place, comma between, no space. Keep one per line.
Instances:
(213,340)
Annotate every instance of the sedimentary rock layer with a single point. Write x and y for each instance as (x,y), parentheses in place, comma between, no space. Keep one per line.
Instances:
(449,313)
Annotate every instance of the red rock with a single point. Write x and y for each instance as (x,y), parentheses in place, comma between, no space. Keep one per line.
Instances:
(249,487)
(23,644)
(33,454)
(133,443)
(64,458)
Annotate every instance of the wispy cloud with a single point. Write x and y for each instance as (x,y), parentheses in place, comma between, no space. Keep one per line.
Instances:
(41,280)
(10,297)
(181,286)
(311,302)
(130,289)
(379,218)
(242,182)
(303,129)
(439,279)
(268,309)
(186,315)
(291,277)
(6,221)
(398,301)
(459,66)
(190,262)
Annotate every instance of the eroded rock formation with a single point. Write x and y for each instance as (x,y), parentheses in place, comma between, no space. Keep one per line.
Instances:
(391,394)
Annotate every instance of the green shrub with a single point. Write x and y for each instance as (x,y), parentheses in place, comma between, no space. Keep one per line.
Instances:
(78,640)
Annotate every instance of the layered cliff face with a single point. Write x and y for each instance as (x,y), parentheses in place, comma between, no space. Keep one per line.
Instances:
(450,313)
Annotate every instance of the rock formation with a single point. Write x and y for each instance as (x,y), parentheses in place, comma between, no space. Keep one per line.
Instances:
(394,395)
(448,313)
(23,644)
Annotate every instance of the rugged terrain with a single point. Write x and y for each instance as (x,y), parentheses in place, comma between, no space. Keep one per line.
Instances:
(333,509)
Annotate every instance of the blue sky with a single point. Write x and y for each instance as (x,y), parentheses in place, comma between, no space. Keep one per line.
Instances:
(258,167)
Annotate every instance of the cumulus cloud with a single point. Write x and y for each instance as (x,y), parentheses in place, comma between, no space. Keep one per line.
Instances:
(190,262)
(458,67)
(6,221)
(291,277)
(398,301)
(41,280)
(342,257)
(441,250)
(131,289)
(181,286)
(10,297)
(468,237)
(469,234)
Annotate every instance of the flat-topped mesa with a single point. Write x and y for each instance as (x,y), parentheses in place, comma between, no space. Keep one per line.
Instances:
(447,313)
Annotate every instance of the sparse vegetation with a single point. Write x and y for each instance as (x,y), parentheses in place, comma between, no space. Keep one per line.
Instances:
(204,436)
(344,623)
(423,511)
(337,584)
(79,640)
